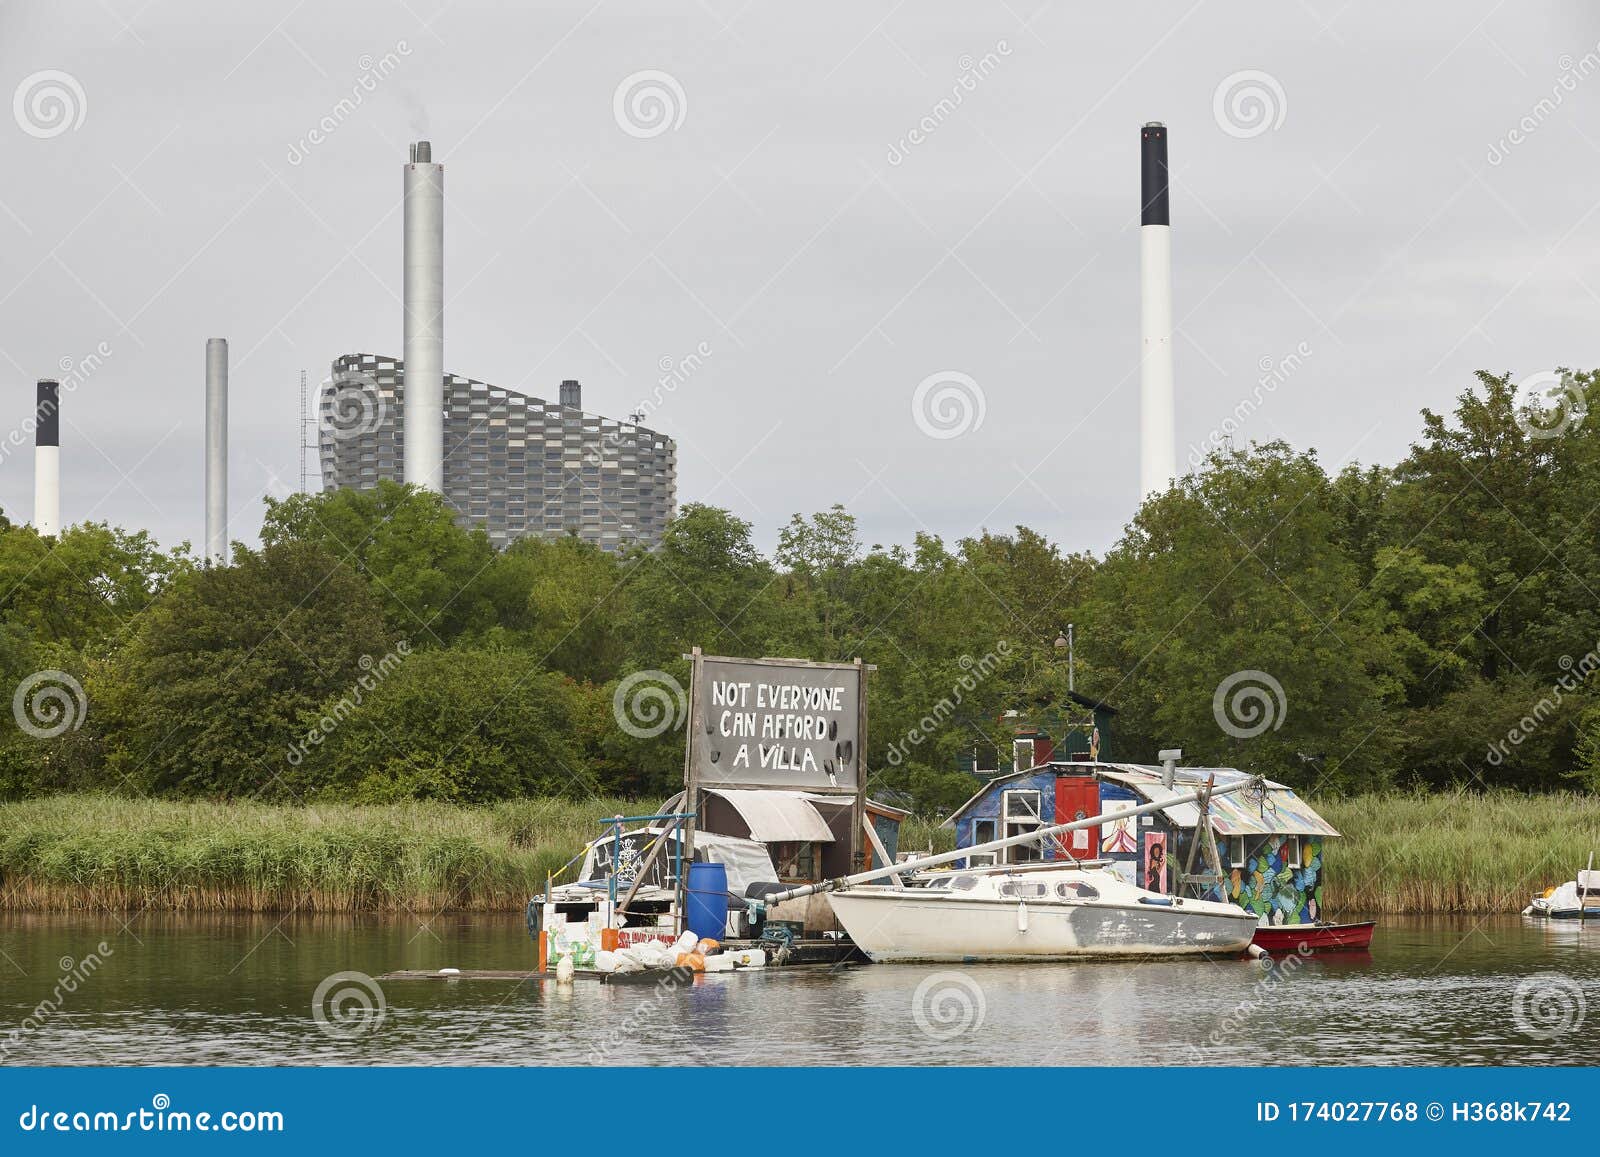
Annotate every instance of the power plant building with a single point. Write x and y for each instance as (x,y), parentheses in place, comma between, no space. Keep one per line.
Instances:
(513,464)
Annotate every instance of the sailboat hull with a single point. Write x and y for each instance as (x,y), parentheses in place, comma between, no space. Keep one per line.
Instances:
(891,925)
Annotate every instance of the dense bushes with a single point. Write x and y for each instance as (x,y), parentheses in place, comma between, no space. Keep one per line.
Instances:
(1433,623)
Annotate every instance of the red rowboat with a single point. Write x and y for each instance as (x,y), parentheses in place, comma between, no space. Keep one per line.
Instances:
(1315,937)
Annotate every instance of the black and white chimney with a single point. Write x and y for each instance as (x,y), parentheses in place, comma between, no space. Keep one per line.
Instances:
(47,458)
(1157,423)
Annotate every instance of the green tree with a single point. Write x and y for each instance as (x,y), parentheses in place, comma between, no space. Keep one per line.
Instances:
(426,570)
(1232,585)
(466,725)
(210,692)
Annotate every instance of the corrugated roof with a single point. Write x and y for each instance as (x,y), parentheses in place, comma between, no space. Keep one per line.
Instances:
(1282,812)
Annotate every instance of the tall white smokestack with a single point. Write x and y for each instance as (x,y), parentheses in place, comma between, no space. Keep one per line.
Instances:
(47,458)
(423,439)
(217,451)
(1157,433)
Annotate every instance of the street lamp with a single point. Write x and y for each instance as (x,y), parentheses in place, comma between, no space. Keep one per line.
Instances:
(1064,643)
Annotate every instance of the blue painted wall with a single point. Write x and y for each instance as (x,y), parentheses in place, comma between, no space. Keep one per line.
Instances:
(987,807)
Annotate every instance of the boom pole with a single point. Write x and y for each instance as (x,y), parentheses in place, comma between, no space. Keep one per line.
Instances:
(1009,842)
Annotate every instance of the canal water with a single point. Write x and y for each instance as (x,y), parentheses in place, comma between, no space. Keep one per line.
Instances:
(257,990)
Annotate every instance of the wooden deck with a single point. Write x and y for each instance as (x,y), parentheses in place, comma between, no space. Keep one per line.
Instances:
(806,953)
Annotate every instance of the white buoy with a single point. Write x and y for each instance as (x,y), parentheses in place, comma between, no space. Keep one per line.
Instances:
(1022,916)
(565,970)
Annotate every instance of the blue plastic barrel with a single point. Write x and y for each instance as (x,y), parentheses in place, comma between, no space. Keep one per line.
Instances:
(706,910)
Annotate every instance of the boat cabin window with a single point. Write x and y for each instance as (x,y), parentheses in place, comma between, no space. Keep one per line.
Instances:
(1076,890)
(1023,889)
(939,882)
(963,883)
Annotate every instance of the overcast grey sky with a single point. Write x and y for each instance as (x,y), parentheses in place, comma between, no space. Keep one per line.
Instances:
(1381,221)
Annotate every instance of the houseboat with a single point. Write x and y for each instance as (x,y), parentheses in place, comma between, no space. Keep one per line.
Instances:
(1270,848)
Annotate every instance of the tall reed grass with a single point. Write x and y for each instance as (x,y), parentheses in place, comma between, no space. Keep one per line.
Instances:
(67,852)
(1474,853)
(1399,854)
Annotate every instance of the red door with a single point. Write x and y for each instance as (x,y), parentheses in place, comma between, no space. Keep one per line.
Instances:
(1078,798)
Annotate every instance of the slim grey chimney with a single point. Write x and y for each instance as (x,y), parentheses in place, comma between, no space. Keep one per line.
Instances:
(572,394)
(217,451)
(423,432)
(1157,425)
(47,458)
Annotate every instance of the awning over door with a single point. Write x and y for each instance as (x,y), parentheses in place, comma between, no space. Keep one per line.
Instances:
(777,816)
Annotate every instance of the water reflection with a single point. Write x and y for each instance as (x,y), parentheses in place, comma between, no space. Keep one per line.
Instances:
(239,990)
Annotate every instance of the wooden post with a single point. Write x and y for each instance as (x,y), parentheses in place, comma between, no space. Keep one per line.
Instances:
(691,786)
(857,846)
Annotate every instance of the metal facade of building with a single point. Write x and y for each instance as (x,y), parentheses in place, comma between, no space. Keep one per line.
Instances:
(513,464)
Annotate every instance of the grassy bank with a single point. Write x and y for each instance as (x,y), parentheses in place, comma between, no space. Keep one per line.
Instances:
(1401,853)
(1455,853)
(68,852)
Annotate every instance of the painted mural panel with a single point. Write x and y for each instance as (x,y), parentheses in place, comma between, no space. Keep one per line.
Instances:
(1281,880)
(1155,862)
(1119,836)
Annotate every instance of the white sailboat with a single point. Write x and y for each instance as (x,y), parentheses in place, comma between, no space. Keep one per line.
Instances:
(1044,912)
(1055,910)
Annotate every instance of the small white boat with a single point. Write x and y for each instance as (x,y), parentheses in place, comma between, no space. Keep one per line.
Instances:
(1575,900)
(1044,912)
